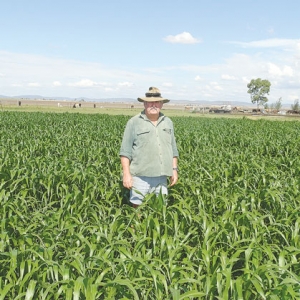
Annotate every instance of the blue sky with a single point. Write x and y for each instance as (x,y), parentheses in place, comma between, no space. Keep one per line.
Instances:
(189,49)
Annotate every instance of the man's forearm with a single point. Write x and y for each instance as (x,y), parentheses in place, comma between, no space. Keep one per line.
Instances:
(175,162)
(127,178)
(125,162)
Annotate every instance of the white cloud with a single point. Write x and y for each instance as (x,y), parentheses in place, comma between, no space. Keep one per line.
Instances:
(56,83)
(246,80)
(270,43)
(218,88)
(167,84)
(125,84)
(198,78)
(108,89)
(182,38)
(294,97)
(34,84)
(215,86)
(275,70)
(228,77)
(208,95)
(84,83)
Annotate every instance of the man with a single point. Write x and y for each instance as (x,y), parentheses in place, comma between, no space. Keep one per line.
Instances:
(148,151)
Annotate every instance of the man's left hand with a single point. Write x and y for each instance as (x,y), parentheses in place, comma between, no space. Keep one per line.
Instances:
(174,178)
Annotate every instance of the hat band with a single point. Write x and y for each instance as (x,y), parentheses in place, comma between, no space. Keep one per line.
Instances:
(153,95)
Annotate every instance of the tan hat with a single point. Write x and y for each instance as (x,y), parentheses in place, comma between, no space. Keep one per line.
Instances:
(153,95)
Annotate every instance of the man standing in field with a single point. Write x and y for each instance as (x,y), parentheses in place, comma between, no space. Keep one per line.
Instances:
(148,151)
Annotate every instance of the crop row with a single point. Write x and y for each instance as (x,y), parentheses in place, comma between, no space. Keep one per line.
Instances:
(228,230)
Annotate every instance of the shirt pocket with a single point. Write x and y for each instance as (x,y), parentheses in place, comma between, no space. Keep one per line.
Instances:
(167,134)
(142,138)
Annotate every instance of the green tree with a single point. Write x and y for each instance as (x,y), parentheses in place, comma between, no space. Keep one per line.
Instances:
(278,104)
(258,88)
(296,105)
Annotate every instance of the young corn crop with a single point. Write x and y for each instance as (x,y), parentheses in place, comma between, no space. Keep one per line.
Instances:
(228,230)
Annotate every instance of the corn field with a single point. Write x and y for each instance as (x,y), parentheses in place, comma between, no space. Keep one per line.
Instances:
(228,230)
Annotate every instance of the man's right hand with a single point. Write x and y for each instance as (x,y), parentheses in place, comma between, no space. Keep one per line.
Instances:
(127,181)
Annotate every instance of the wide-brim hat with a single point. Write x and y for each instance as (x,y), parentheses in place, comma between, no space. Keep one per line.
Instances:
(153,95)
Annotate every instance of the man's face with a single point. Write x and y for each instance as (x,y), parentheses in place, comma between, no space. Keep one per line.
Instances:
(153,108)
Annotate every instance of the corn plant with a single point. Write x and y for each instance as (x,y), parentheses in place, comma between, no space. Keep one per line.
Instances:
(228,230)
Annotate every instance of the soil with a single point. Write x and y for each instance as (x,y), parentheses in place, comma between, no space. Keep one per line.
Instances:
(83,104)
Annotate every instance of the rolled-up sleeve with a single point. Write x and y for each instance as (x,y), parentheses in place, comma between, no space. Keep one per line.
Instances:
(127,141)
(173,139)
(174,146)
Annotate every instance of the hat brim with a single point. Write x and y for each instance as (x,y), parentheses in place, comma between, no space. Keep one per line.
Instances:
(153,99)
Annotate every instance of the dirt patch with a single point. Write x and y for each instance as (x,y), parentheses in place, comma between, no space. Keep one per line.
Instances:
(68,103)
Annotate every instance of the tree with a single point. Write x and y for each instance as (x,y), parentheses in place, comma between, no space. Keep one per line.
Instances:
(258,88)
(296,105)
(274,106)
(278,104)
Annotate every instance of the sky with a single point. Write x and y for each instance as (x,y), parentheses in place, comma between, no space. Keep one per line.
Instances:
(189,49)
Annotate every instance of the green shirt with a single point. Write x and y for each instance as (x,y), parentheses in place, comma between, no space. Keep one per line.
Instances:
(149,148)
